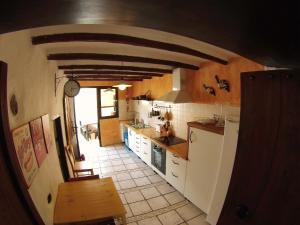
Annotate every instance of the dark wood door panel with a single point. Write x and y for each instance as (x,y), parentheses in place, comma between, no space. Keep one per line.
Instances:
(281,196)
(259,116)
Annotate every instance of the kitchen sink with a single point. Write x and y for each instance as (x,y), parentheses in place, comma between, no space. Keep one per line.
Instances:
(139,126)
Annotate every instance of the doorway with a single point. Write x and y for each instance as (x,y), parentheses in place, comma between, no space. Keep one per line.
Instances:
(86,118)
(60,148)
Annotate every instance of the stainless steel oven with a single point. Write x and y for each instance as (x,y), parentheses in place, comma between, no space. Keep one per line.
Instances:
(158,157)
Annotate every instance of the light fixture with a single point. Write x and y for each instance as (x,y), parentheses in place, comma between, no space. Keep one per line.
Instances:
(122,86)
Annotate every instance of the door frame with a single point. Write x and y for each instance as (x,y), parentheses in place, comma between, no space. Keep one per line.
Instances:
(77,154)
(16,198)
(99,106)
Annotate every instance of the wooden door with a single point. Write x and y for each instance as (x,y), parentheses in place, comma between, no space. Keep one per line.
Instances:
(203,158)
(70,125)
(108,115)
(265,185)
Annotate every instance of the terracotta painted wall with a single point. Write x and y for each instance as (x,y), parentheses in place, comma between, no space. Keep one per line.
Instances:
(157,85)
(231,72)
(206,75)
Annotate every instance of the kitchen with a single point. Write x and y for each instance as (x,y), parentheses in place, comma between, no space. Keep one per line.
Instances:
(218,90)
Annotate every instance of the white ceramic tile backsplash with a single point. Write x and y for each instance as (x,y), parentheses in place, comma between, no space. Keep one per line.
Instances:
(182,113)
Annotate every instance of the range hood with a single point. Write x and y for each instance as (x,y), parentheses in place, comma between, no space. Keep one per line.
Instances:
(179,93)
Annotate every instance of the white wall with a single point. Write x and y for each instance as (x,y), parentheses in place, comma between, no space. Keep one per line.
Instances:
(182,113)
(31,78)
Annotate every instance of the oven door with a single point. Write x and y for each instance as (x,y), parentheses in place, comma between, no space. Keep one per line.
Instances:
(158,158)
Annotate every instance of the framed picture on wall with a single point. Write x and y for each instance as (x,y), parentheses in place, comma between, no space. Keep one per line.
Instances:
(36,129)
(25,153)
(47,133)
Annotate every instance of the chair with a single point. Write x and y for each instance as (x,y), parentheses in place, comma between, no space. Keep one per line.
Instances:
(92,177)
(78,167)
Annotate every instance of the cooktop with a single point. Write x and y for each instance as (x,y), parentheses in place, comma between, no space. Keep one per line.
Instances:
(172,140)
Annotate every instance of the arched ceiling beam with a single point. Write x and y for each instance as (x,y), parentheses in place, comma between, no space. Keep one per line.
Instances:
(115,67)
(121,58)
(123,39)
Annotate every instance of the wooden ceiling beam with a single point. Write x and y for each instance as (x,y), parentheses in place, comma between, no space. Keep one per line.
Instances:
(98,72)
(123,39)
(107,77)
(115,67)
(119,58)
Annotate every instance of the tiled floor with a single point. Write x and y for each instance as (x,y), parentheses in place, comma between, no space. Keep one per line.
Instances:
(148,198)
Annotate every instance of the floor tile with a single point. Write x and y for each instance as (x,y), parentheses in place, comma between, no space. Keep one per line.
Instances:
(131,166)
(139,208)
(123,199)
(150,192)
(128,161)
(142,181)
(137,174)
(96,165)
(117,185)
(105,164)
(112,152)
(116,162)
(158,203)
(133,196)
(101,153)
(199,220)
(103,158)
(149,172)
(150,221)
(155,178)
(119,168)
(165,188)
(97,171)
(127,184)
(113,156)
(170,218)
(189,211)
(124,155)
(109,169)
(142,164)
(174,197)
(123,176)
(128,211)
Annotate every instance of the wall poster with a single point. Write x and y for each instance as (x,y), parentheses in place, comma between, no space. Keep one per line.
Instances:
(47,134)
(25,153)
(38,140)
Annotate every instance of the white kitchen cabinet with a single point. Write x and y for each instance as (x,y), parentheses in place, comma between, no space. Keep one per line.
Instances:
(175,171)
(146,150)
(131,139)
(224,171)
(203,160)
(137,147)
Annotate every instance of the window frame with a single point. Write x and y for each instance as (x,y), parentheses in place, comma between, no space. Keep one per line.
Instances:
(99,103)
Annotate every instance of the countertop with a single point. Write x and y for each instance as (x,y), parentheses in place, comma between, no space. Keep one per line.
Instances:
(211,127)
(180,149)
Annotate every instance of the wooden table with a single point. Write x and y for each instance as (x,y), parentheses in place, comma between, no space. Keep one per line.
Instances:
(88,201)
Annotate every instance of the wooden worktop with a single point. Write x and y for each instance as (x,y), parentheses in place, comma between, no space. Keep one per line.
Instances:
(85,201)
(211,127)
(180,149)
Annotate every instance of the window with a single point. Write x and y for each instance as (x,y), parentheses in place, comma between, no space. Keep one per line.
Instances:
(108,102)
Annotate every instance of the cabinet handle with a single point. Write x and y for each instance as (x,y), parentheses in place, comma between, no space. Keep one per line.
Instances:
(191,136)
(176,156)
(174,175)
(137,142)
(176,163)
(145,153)
(145,143)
